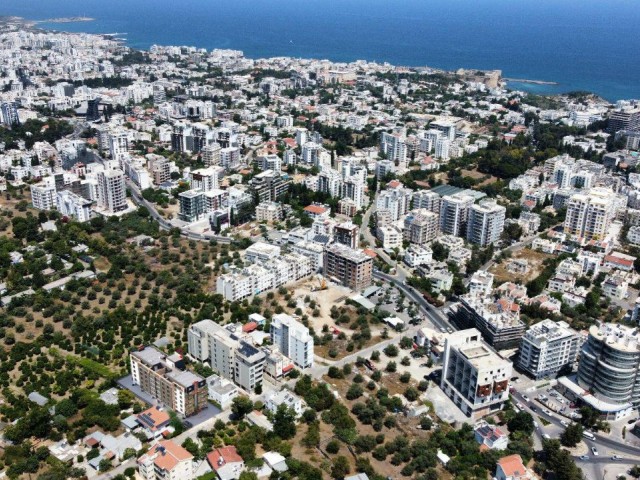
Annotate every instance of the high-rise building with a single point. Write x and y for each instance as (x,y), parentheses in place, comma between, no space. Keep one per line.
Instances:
(609,365)
(589,215)
(474,376)
(427,199)
(347,233)
(205,179)
(43,197)
(268,186)
(227,351)
(393,145)
(625,118)
(485,223)
(454,212)
(350,267)
(292,339)
(547,349)
(192,205)
(9,114)
(166,380)
(111,192)
(421,226)
(93,109)
(442,148)
(395,200)
(211,155)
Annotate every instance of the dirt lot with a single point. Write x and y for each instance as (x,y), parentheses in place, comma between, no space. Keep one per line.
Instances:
(476,175)
(535,260)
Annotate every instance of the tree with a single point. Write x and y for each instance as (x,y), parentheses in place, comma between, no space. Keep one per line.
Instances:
(240,406)
(355,391)
(340,468)
(521,422)
(246,475)
(333,447)
(284,422)
(572,435)
(391,351)
(125,399)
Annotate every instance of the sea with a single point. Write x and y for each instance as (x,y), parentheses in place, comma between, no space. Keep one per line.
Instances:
(590,45)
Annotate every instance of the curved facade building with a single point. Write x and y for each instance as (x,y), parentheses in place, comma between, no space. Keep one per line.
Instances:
(609,364)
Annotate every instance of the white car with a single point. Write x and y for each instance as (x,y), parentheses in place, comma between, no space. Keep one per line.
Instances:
(535,424)
(564,423)
(526,399)
(594,450)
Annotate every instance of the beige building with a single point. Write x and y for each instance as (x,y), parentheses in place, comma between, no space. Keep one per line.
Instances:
(166,461)
(166,380)
(589,215)
(352,268)
(475,377)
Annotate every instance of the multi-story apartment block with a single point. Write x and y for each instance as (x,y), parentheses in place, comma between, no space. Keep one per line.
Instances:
(255,279)
(43,196)
(228,352)
(608,369)
(485,223)
(350,267)
(396,201)
(111,192)
(204,179)
(589,215)
(165,379)
(454,213)
(626,118)
(427,199)
(192,205)
(394,147)
(292,339)
(166,460)
(421,226)
(548,348)
(498,320)
(269,212)
(211,155)
(473,376)
(268,186)
(71,205)
(347,233)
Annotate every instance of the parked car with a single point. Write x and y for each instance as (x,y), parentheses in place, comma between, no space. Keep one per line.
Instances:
(594,450)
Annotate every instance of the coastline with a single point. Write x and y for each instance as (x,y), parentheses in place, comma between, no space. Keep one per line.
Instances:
(533,86)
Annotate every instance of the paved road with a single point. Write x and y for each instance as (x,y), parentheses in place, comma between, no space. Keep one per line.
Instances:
(433,314)
(136,195)
(602,441)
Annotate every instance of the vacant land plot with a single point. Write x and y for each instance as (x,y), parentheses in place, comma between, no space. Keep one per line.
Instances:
(535,266)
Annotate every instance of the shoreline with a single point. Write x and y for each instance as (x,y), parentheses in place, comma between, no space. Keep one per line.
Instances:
(125,42)
(533,82)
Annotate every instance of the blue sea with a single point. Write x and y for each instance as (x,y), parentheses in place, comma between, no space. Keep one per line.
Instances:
(581,44)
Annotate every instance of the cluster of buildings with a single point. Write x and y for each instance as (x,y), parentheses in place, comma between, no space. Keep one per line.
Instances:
(237,354)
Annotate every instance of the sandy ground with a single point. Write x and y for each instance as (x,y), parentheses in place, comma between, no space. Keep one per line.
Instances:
(535,260)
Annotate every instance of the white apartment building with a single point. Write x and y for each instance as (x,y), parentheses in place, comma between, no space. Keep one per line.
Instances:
(389,236)
(485,223)
(547,348)
(292,339)
(71,205)
(255,279)
(443,146)
(416,255)
(396,200)
(454,213)
(421,226)
(427,199)
(166,460)
(480,283)
(474,376)
(204,179)
(269,212)
(228,352)
(111,193)
(394,147)
(211,155)
(261,252)
(43,196)
(589,215)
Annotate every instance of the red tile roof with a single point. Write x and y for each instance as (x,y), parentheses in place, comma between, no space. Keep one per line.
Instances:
(227,454)
(317,209)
